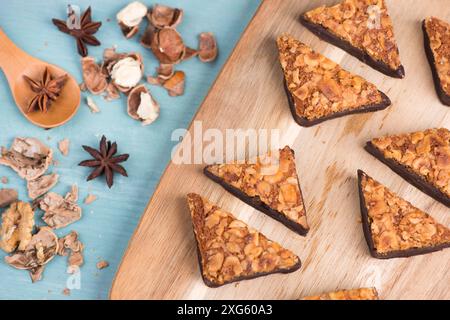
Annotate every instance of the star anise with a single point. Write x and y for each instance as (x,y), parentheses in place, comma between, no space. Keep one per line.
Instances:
(47,90)
(105,162)
(84,34)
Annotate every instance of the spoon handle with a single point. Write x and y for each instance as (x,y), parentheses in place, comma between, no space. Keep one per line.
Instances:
(13,60)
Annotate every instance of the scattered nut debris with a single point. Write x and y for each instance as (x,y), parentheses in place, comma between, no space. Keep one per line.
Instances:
(41,185)
(29,157)
(102,264)
(4,180)
(83,87)
(59,211)
(94,77)
(71,246)
(166,43)
(92,105)
(175,85)
(42,248)
(90,198)
(142,106)
(17,226)
(63,146)
(207,51)
(7,196)
(130,17)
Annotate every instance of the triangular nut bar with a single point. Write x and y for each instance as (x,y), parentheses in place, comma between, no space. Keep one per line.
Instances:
(393,227)
(269,184)
(437,47)
(363,28)
(229,250)
(354,294)
(318,89)
(422,158)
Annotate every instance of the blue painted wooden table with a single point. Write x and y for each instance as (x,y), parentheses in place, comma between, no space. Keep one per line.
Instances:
(108,223)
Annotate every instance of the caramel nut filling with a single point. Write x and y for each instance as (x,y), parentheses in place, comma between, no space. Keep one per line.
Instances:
(230,250)
(424,153)
(273,178)
(365,24)
(319,86)
(395,224)
(439,34)
(354,294)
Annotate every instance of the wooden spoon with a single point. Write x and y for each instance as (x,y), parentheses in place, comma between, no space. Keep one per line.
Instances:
(16,63)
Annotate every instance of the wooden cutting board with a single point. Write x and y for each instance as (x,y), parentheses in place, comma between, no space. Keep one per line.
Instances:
(161,261)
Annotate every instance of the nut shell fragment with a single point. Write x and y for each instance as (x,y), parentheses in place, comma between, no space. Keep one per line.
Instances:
(168,46)
(41,185)
(163,16)
(130,17)
(29,157)
(142,106)
(59,211)
(7,196)
(94,78)
(175,85)
(40,250)
(127,72)
(208,50)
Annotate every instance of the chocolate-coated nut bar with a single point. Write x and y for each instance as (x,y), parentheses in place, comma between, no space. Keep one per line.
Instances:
(230,251)
(437,48)
(318,89)
(354,294)
(422,158)
(363,28)
(393,227)
(269,184)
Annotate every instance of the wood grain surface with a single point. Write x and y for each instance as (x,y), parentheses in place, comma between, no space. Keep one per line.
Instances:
(161,261)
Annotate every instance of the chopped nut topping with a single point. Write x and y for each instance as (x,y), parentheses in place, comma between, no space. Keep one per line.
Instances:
(40,250)
(355,294)
(29,157)
(17,225)
(355,21)
(424,153)
(7,196)
(272,178)
(395,224)
(142,106)
(41,185)
(319,86)
(230,250)
(439,33)
(207,51)
(59,211)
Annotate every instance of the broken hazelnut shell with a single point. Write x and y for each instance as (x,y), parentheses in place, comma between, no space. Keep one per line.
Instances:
(93,77)
(163,16)
(168,46)
(207,51)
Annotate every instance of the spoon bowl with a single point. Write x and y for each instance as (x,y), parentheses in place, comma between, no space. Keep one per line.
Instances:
(15,63)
